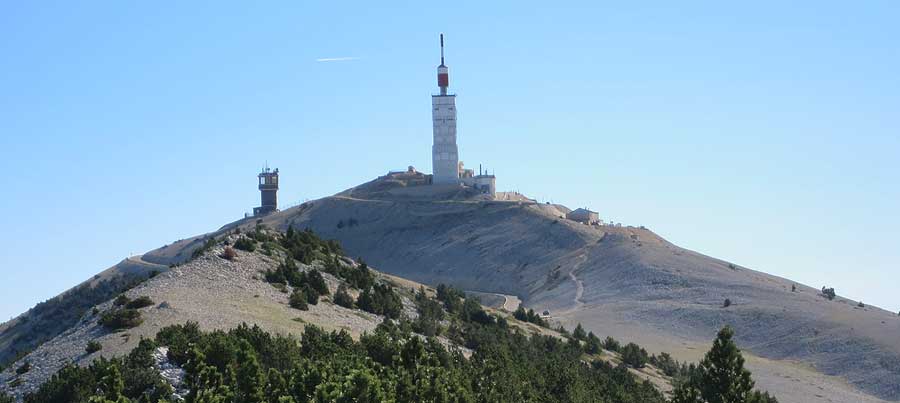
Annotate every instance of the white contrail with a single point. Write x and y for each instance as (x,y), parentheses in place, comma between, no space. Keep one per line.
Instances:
(337,59)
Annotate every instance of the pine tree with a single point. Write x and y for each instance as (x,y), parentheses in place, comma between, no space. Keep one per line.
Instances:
(721,377)
(594,345)
(110,386)
(725,379)
(579,333)
(250,380)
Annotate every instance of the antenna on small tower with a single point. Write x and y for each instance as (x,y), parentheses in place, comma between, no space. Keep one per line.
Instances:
(442,49)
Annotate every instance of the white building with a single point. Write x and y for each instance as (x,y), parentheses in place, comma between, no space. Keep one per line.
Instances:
(444,153)
(584,216)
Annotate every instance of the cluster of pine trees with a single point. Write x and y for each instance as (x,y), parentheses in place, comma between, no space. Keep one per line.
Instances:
(401,361)
(529,316)
(393,364)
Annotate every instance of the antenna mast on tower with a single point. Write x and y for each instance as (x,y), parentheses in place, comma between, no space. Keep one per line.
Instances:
(443,71)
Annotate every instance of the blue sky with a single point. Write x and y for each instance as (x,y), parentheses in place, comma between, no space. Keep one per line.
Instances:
(766,134)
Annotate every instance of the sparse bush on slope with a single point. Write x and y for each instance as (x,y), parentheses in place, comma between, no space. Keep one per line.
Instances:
(119,319)
(343,298)
(93,346)
(430,315)
(139,302)
(593,344)
(634,356)
(298,300)
(207,245)
(579,333)
(121,300)
(228,253)
(381,300)
(529,316)
(829,293)
(24,368)
(611,344)
(245,244)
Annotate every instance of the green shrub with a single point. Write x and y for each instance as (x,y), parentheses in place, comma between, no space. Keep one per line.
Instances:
(342,298)
(829,293)
(579,333)
(245,244)
(381,300)
(593,345)
(529,316)
(451,298)
(634,356)
(312,296)
(727,303)
(611,344)
(25,367)
(121,300)
(316,281)
(118,319)
(209,244)
(93,346)
(139,302)
(665,363)
(298,300)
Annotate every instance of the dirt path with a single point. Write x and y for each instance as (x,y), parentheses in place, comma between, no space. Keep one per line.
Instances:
(139,259)
(579,291)
(511,303)
(578,303)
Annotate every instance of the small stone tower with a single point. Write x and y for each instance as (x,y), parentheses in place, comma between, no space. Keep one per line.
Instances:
(268,191)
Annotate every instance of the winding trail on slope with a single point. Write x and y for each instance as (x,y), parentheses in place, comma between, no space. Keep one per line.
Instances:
(579,291)
(511,303)
(578,303)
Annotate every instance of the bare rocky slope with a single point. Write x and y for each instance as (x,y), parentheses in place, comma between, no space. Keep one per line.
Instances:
(210,290)
(220,293)
(622,281)
(56,315)
(626,282)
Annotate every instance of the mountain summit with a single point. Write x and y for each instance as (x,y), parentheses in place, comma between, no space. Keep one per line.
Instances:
(621,281)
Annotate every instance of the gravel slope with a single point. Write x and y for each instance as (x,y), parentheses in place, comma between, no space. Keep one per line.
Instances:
(624,275)
(620,281)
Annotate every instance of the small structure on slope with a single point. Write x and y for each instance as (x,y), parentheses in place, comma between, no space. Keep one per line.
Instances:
(268,192)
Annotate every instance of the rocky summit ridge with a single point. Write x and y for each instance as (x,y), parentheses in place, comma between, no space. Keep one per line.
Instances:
(622,281)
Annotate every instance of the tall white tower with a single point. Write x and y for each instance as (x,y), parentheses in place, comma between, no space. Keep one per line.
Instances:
(444,154)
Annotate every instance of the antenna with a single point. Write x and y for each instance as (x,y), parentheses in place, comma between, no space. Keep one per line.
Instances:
(442,49)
